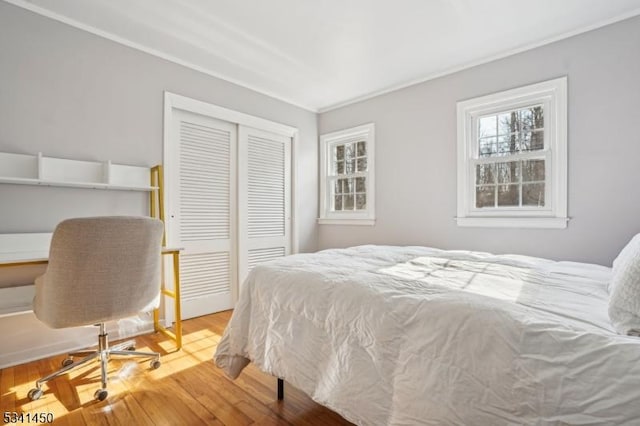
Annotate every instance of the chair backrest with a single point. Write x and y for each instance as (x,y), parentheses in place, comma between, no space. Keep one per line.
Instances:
(100,269)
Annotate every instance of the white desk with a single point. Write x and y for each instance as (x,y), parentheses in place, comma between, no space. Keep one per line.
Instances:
(18,300)
(18,258)
(21,250)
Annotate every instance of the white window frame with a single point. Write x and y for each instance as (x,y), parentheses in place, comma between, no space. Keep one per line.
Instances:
(365,132)
(552,95)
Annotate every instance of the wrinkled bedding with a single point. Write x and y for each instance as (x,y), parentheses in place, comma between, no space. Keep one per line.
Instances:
(415,335)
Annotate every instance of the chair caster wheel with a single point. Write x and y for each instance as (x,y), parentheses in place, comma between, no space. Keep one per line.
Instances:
(34,394)
(67,361)
(101,394)
(155,364)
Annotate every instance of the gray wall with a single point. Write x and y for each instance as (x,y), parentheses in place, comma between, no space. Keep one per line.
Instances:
(72,94)
(416,151)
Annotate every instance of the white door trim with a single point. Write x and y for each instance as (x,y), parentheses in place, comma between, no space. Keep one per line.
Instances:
(174,101)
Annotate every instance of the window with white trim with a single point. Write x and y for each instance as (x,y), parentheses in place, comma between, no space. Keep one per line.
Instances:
(512,158)
(347,181)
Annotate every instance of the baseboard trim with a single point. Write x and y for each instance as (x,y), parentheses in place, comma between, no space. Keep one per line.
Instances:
(77,339)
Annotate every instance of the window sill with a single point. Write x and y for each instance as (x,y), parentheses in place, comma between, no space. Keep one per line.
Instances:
(514,222)
(359,222)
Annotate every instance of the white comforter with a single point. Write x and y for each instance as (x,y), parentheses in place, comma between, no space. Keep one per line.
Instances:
(413,335)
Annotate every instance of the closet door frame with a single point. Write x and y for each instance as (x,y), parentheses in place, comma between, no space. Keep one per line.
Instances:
(174,101)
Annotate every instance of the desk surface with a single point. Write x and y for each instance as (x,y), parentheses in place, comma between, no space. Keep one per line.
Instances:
(18,258)
(24,257)
(16,300)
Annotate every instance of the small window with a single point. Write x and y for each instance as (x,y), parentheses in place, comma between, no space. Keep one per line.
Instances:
(512,158)
(347,178)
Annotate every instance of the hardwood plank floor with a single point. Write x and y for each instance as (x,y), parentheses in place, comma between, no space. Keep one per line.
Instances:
(188,389)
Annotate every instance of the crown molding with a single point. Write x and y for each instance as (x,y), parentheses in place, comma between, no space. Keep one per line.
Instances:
(483,60)
(154,52)
(126,42)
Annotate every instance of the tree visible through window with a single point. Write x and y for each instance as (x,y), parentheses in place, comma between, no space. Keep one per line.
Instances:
(512,157)
(504,181)
(347,179)
(349,176)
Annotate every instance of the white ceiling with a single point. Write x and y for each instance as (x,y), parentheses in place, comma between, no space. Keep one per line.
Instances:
(319,54)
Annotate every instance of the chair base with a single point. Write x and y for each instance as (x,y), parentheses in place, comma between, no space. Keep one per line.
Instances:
(103,352)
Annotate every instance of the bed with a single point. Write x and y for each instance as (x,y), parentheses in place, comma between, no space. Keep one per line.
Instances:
(415,335)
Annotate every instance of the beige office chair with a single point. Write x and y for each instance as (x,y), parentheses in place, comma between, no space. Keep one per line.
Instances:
(100,269)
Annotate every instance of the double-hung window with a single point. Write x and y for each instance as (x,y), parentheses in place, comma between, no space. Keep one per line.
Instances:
(347,195)
(512,158)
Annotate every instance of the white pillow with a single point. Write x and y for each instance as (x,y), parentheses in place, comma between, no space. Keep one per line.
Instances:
(624,289)
(625,254)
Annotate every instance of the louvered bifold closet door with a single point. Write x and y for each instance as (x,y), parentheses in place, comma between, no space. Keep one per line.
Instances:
(204,223)
(264,181)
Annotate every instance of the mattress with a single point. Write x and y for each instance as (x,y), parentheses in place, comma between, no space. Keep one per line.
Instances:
(416,335)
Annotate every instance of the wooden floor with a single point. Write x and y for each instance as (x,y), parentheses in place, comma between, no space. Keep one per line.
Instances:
(188,389)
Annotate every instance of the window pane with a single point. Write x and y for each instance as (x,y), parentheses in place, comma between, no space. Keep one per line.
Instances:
(362,164)
(348,151)
(498,147)
(340,168)
(335,167)
(337,186)
(537,140)
(508,195)
(526,120)
(525,141)
(532,141)
(487,146)
(348,186)
(485,196)
(533,194)
(348,202)
(485,174)
(532,118)
(350,166)
(487,127)
(362,149)
(340,152)
(507,145)
(361,201)
(508,172)
(519,130)
(345,185)
(337,203)
(532,170)
(361,185)
(508,123)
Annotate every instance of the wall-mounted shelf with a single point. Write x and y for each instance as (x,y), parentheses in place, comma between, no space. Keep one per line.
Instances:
(24,169)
